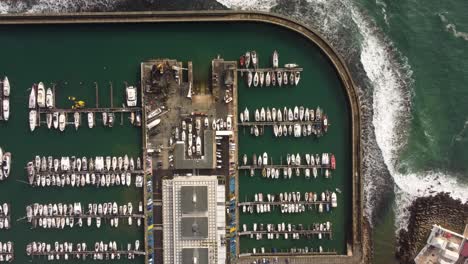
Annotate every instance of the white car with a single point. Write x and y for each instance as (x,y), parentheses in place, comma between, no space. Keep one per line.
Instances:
(131,96)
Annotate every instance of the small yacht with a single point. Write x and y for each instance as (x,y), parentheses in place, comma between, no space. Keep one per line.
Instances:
(257,115)
(273,114)
(262,114)
(268,115)
(291,78)
(6,87)
(296,113)
(301,113)
(49,98)
(275,59)
(77,119)
(279,77)
(32,119)
(246,115)
(297,77)
(131,94)
(268,79)
(249,78)
(254,59)
(104,118)
(262,78)
(255,79)
(55,119)
(273,78)
(41,100)
(247,59)
(285,78)
(265,158)
(32,97)
(111,119)
(62,121)
(90,119)
(6,108)
(49,120)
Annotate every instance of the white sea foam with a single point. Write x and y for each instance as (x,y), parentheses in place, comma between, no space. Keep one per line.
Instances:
(453,29)
(259,5)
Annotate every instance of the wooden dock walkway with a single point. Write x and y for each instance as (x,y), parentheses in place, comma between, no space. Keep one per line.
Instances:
(88,252)
(85,216)
(82,172)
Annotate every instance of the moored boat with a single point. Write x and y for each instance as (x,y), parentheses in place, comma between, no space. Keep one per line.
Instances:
(49,98)
(90,119)
(41,100)
(255,79)
(77,119)
(249,78)
(32,120)
(247,59)
(275,59)
(62,121)
(32,97)
(6,108)
(6,86)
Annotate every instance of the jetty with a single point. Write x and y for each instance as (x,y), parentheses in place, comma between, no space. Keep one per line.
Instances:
(242,70)
(300,232)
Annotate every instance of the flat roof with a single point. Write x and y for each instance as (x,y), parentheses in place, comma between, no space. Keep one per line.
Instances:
(188,255)
(194,199)
(194,227)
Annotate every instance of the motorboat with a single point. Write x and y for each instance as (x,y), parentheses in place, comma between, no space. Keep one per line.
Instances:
(332,162)
(62,121)
(49,98)
(275,130)
(268,114)
(291,65)
(246,115)
(262,78)
(32,119)
(325,123)
(257,115)
(6,108)
(334,202)
(301,113)
(273,78)
(268,79)
(279,78)
(265,159)
(290,115)
(296,113)
(131,94)
(242,61)
(32,97)
(6,87)
(297,130)
(306,114)
(291,78)
(249,78)
(247,59)
(90,119)
(77,119)
(318,114)
(6,166)
(297,77)
(275,59)
(262,114)
(41,95)
(255,79)
(111,119)
(285,78)
(254,59)
(279,116)
(104,118)
(273,114)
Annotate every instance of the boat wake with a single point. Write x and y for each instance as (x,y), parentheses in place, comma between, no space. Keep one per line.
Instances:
(452,28)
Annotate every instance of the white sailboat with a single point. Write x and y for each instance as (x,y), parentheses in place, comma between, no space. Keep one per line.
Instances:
(32,97)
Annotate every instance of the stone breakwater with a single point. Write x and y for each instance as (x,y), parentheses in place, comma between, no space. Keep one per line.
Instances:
(441,210)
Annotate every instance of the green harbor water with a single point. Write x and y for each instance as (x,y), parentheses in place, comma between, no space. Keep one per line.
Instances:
(76,56)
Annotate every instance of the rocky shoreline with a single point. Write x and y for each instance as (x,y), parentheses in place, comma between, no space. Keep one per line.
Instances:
(441,210)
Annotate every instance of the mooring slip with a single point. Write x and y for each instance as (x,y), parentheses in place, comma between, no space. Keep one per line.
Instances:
(5,213)
(42,101)
(7,251)
(80,250)
(5,164)
(63,215)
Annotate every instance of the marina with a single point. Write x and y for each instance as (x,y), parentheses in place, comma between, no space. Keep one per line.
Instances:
(200,191)
(7,251)
(80,251)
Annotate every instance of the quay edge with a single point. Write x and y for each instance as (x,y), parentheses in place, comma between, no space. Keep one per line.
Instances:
(360,239)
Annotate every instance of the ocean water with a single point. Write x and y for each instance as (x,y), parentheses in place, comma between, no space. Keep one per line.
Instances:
(409,62)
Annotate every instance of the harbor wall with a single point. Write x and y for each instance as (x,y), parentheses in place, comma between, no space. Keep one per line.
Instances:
(357,252)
